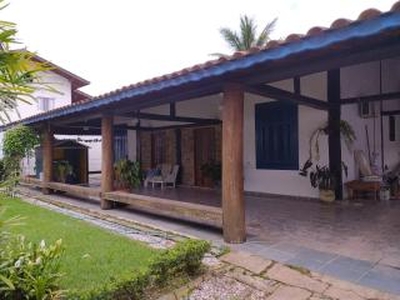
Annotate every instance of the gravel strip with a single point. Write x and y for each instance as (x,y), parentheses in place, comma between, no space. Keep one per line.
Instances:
(156,239)
(222,287)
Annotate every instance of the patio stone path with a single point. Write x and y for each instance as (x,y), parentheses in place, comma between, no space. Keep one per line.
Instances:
(275,282)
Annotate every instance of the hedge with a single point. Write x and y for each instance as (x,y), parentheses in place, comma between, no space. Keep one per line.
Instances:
(182,260)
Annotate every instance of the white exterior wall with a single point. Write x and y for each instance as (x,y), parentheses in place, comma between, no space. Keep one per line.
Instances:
(360,80)
(62,97)
(285,182)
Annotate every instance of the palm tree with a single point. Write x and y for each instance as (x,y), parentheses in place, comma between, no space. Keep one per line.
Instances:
(247,37)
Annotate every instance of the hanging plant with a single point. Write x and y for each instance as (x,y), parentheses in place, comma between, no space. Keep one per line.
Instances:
(347,135)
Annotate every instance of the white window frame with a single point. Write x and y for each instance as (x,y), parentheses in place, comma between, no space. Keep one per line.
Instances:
(45,103)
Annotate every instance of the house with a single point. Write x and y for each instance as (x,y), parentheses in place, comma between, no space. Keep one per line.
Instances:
(254,112)
(66,87)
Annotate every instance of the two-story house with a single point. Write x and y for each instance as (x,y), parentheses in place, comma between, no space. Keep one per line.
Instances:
(66,91)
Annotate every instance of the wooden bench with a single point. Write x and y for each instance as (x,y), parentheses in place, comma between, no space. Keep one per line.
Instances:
(355,187)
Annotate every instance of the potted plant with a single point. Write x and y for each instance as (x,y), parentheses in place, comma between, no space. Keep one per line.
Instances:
(62,169)
(347,134)
(127,174)
(213,171)
(323,178)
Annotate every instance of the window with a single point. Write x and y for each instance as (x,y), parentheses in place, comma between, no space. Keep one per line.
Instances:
(45,103)
(120,145)
(277,136)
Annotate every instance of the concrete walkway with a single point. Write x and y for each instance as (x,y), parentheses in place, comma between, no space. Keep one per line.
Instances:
(367,273)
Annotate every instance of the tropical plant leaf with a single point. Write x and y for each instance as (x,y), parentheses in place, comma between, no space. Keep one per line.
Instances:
(247,36)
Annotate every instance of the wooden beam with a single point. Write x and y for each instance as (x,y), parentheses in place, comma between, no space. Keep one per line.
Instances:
(279,94)
(178,153)
(192,212)
(173,95)
(107,169)
(47,153)
(390,113)
(214,122)
(300,65)
(233,207)
(172,109)
(297,86)
(372,98)
(334,138)
(158,117)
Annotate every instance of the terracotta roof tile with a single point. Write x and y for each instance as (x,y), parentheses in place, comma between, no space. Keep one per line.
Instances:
(340,23)
(369,14)
(272,44)
(292,38)
(395,7)
(315,30)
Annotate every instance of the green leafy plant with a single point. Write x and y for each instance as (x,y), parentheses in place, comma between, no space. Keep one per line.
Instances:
(18,142)
(128,173)
(62,169)
(19,72)
(247,37)
(27,271)
(324,178)
(347,134)
(184,258)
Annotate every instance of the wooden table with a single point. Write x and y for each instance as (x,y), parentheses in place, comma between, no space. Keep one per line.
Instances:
(355,187)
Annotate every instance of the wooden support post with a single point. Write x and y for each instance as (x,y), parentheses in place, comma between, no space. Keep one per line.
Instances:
(47,152)
(178,152)
(233,207)
(107,168)
(334,140)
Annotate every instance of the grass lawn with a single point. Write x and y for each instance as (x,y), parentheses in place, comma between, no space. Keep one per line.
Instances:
(92,255)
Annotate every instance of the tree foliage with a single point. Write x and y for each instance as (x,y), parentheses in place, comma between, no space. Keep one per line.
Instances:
(19,73)
(247,36)
(19,141)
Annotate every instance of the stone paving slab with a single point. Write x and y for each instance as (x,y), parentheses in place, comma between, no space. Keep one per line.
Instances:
(365,292)
(347,268)
(290,292)
(259,283)
(337,293)
(293,277)
(253,263)
(383,278)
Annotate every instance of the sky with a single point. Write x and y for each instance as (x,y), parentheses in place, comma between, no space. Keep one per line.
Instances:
(120,42)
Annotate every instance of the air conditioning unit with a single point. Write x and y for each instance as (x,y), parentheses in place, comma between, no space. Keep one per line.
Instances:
(366,109)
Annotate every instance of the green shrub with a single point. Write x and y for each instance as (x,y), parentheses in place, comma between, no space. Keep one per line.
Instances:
(18,142)
(28,271)
(182,260)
